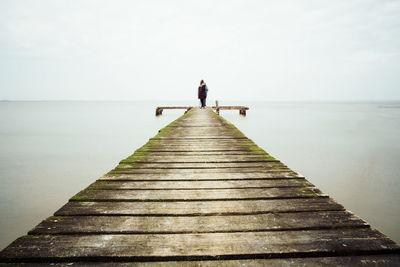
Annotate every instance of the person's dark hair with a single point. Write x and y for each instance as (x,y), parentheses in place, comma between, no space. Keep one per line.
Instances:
(201,81)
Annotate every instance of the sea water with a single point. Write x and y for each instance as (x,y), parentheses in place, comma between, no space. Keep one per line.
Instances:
(51,150)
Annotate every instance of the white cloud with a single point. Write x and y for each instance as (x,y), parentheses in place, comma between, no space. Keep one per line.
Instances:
(272,50)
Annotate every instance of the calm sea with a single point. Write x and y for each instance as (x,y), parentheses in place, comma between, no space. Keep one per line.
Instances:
(51,150)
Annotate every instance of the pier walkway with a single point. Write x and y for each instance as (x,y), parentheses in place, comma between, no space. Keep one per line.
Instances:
(200,193)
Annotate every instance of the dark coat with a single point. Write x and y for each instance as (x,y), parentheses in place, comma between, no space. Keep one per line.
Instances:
(202,91)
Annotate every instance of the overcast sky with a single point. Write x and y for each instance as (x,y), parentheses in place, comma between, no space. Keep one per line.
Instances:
(159,50)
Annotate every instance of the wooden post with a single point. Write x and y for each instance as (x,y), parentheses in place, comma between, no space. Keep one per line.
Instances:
(159,111)
(216,106)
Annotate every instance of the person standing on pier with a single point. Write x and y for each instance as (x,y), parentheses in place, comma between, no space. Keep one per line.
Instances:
(203,90)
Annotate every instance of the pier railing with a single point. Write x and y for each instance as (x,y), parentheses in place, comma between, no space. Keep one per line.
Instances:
(217,108)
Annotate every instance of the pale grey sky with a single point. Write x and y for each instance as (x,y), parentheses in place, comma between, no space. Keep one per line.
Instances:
(252,50)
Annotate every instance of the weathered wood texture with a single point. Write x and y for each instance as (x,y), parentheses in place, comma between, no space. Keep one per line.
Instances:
(201,194)
(197,208)
(242,109)
(344,261)
(159,110)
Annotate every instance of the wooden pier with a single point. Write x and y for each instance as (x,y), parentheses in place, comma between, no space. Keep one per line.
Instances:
(200,193)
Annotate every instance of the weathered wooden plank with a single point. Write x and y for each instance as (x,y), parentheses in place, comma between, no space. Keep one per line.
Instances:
(207,153)
(186,124)
(207,208)
(209,132)
(388,260)
(216,158)
(200,170)
(244,149)
(200,246)
(191,176)
(221,135)
(219,140)
(205,143)
(381,260)
(197,194)
(200,137)
(200,149)
(231,107)
(200,184)
(202,130)
(183,140)
(197,224)
(190,159)
(181,132)
(197,146)
(205,165)
(202,142)
(184,107)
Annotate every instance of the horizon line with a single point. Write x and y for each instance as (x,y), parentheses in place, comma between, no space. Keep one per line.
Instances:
(231,100)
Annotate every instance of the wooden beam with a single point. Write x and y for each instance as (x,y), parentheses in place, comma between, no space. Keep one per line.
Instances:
(217,108)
